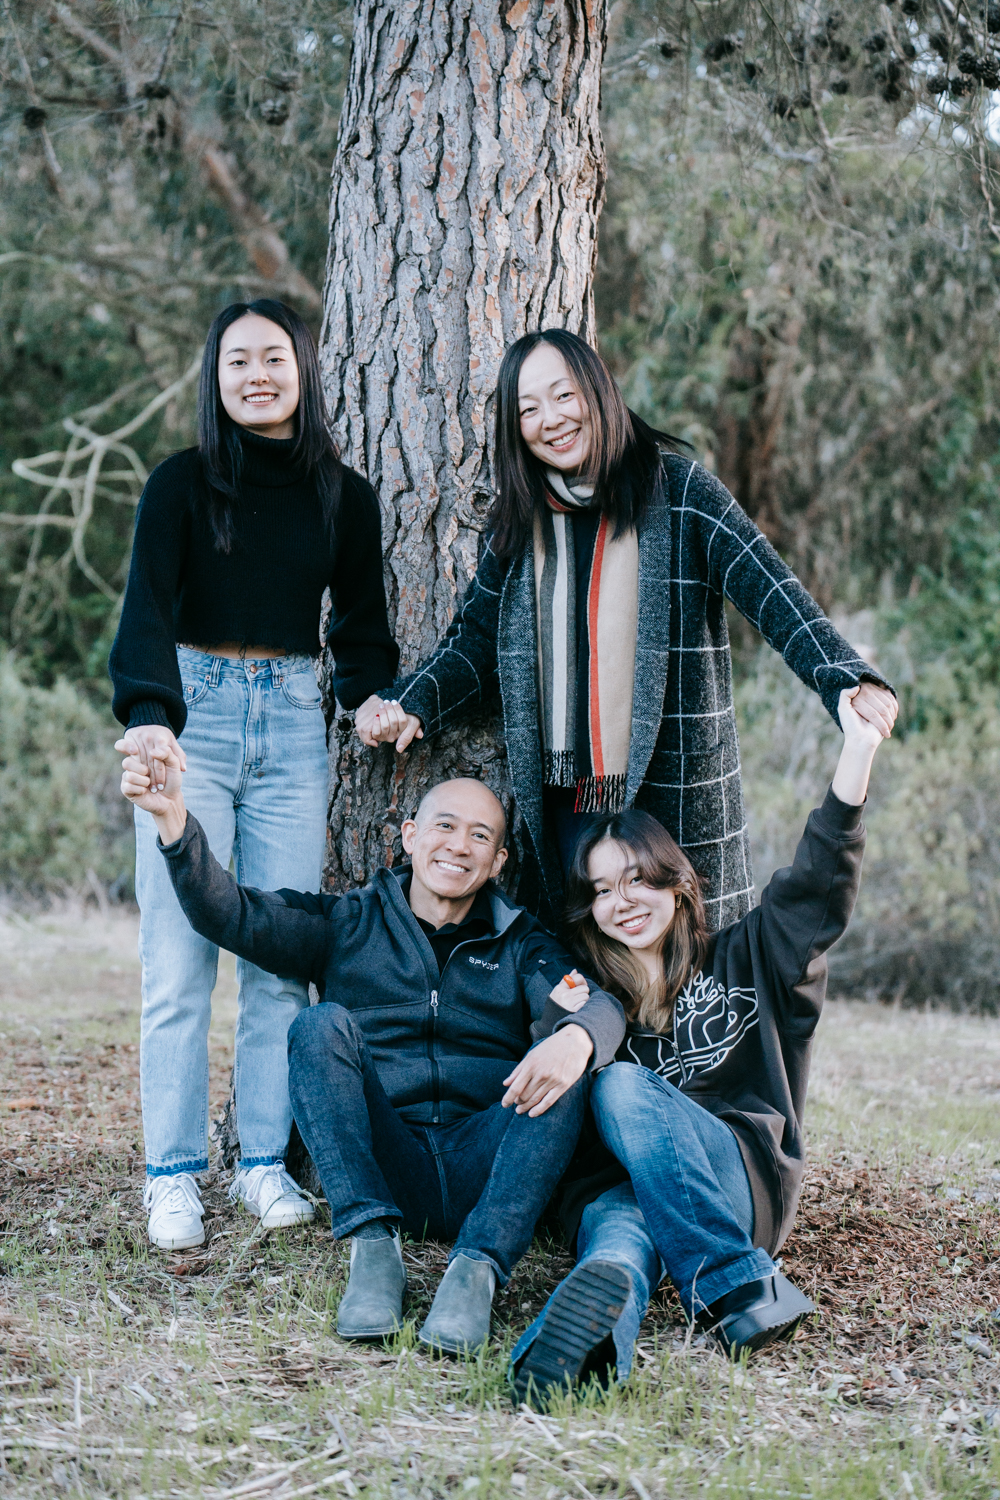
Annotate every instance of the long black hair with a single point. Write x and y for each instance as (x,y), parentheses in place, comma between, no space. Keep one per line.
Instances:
(624,461)
(314,452)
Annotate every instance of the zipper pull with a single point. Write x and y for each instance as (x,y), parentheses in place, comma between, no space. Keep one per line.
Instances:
(434,1000)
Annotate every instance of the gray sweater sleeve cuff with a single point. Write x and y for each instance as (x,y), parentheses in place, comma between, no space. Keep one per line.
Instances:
(602,1018)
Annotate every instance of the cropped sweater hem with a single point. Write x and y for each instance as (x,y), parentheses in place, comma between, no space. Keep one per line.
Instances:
(267,590)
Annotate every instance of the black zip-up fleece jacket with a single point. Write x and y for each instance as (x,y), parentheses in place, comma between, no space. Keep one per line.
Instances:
(442,1042)
(744,1024)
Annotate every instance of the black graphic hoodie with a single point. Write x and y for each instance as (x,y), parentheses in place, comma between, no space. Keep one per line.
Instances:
(744,1024)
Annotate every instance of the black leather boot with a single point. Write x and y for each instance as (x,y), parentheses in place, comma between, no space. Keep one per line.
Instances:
(574,1343)
(372,1305)
(755,1314)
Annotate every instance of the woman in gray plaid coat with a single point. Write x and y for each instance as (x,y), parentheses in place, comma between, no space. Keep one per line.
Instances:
(597,616)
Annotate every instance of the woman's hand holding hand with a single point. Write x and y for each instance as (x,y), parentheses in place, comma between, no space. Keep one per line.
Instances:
(572,991)
(164,800)
(876,705)
(151,743)
(548,1070)
(861,739)
(381,721)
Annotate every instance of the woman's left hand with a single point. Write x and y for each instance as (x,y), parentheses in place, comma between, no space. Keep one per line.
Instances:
(572,992)
(877,706)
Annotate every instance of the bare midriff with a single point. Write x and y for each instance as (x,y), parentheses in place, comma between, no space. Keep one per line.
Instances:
(234,651)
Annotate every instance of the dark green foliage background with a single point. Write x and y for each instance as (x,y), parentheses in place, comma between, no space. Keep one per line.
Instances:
(799,273)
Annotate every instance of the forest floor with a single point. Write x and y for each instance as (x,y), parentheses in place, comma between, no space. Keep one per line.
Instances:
(217,1372)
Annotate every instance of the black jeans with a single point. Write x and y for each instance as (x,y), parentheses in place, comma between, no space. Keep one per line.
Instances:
(481,1181)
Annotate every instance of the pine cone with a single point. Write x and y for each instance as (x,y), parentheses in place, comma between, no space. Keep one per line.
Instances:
(939,84)
(838,84)
(34,117)
(959,87)
(877,42)
(722,46)
(274,111)
(968,62)
(940,44)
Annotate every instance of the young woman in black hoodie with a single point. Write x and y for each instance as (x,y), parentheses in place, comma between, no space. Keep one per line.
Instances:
(235,542)
(699,1167)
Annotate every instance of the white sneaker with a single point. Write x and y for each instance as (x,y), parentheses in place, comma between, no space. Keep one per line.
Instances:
(175,1211)
(271,1196)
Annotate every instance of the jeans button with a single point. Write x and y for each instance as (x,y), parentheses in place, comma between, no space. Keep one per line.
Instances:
(253,666)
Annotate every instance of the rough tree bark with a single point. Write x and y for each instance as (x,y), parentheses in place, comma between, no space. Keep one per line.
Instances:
(466,192)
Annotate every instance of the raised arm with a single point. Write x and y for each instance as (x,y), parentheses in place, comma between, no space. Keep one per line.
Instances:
(805,908)
(741,564)
(255,925)
(462,675)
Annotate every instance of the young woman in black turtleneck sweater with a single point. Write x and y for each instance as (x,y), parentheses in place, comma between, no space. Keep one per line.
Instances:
(235,543)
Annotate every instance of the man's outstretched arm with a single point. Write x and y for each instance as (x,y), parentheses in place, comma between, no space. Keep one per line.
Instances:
(255,925)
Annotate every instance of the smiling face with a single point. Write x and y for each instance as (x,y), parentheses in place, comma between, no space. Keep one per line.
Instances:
(259,376)
(555,423)
(455,844)
(626,908)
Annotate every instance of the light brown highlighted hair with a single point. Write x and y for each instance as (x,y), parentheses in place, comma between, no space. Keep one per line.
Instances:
(663,865)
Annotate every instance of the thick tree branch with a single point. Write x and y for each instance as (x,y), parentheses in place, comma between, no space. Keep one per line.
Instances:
(261,240)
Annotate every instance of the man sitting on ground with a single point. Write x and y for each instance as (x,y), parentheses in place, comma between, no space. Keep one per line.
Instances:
(434,986)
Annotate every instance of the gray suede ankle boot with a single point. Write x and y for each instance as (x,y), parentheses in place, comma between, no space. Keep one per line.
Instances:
(459,1319)
(372,1305)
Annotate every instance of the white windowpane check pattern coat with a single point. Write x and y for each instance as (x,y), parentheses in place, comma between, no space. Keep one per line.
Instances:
(697,548)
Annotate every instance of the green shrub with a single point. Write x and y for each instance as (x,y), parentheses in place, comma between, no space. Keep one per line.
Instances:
(927,924)
(63,825)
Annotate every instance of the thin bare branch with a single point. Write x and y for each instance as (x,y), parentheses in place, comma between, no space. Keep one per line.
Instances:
(53,170)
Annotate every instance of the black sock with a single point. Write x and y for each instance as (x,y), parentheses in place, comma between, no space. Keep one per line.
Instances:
(375,1229)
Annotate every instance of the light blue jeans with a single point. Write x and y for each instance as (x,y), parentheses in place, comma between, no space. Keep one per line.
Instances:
(256,780)
(687,1212)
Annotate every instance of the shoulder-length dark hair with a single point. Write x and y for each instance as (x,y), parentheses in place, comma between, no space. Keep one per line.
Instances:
(662,864)
(624,462)
(314,452)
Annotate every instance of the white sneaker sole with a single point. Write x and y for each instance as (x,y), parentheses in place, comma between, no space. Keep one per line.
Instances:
(283,1216)
(184,1242)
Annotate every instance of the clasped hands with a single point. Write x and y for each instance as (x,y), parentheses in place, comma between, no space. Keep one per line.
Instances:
(151,777)
(383,721)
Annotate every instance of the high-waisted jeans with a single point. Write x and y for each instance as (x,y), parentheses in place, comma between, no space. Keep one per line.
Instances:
(687,1212)
(256,780)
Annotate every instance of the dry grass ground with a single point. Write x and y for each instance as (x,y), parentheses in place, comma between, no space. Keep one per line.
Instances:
(218,1373)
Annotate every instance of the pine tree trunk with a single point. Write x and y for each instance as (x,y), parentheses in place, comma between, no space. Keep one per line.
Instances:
(466,193)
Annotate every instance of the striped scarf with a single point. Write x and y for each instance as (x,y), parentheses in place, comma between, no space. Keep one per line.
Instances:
(586,600)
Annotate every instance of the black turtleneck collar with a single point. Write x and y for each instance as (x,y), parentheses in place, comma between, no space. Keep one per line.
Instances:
(267,462)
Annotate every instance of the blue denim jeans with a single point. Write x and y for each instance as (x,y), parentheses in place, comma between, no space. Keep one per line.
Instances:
(481,1181)
(256,781)
(687,1212)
